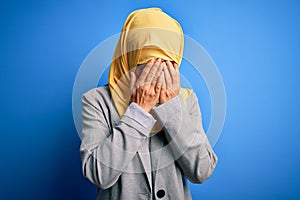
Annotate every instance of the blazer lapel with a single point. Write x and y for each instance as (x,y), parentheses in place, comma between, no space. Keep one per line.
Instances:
(156,146)
(144,155)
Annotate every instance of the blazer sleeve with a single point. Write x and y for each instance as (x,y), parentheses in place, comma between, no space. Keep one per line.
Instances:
(106,151)
(187,139)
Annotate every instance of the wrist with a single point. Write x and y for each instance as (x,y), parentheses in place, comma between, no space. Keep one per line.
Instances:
(165,99)
(146,108)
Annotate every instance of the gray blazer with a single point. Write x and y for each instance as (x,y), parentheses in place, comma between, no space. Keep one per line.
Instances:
(125,161)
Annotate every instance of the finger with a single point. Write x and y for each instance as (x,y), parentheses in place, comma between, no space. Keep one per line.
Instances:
(163,87)
(163,81)
(152,72)
(134,96)
(158,72)
(144,73)
(168,78)
(139,69)
(159,83)
(175,76)
(132,82)
(137,95)
(172,70)
(176,66)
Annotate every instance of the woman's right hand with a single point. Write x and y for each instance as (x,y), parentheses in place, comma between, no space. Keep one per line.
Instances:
(146,89)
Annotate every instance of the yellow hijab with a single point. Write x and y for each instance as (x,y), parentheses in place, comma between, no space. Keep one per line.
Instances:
(147,33)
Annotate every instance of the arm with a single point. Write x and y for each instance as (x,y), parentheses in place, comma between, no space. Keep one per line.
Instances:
(184,131)
(105,152)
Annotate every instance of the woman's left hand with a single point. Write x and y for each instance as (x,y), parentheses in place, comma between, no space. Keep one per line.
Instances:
(171,82)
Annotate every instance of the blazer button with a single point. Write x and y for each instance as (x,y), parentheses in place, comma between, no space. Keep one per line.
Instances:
(160,193)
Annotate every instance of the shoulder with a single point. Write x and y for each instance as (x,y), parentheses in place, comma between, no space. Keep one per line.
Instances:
(97,95)
(188,96)
(101,91)
(190,99)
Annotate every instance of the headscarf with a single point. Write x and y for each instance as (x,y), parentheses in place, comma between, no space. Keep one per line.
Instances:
(147,33)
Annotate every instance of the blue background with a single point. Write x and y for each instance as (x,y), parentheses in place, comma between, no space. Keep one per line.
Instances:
(255,45)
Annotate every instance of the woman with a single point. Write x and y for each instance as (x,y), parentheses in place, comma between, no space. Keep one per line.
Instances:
(142,134)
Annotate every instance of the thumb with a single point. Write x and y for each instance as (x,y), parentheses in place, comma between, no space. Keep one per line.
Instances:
(132,82)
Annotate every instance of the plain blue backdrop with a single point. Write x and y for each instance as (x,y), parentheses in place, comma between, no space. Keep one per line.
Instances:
(255,45)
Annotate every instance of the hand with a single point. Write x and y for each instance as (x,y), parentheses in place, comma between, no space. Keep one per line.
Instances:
(170,83)
(146,90)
